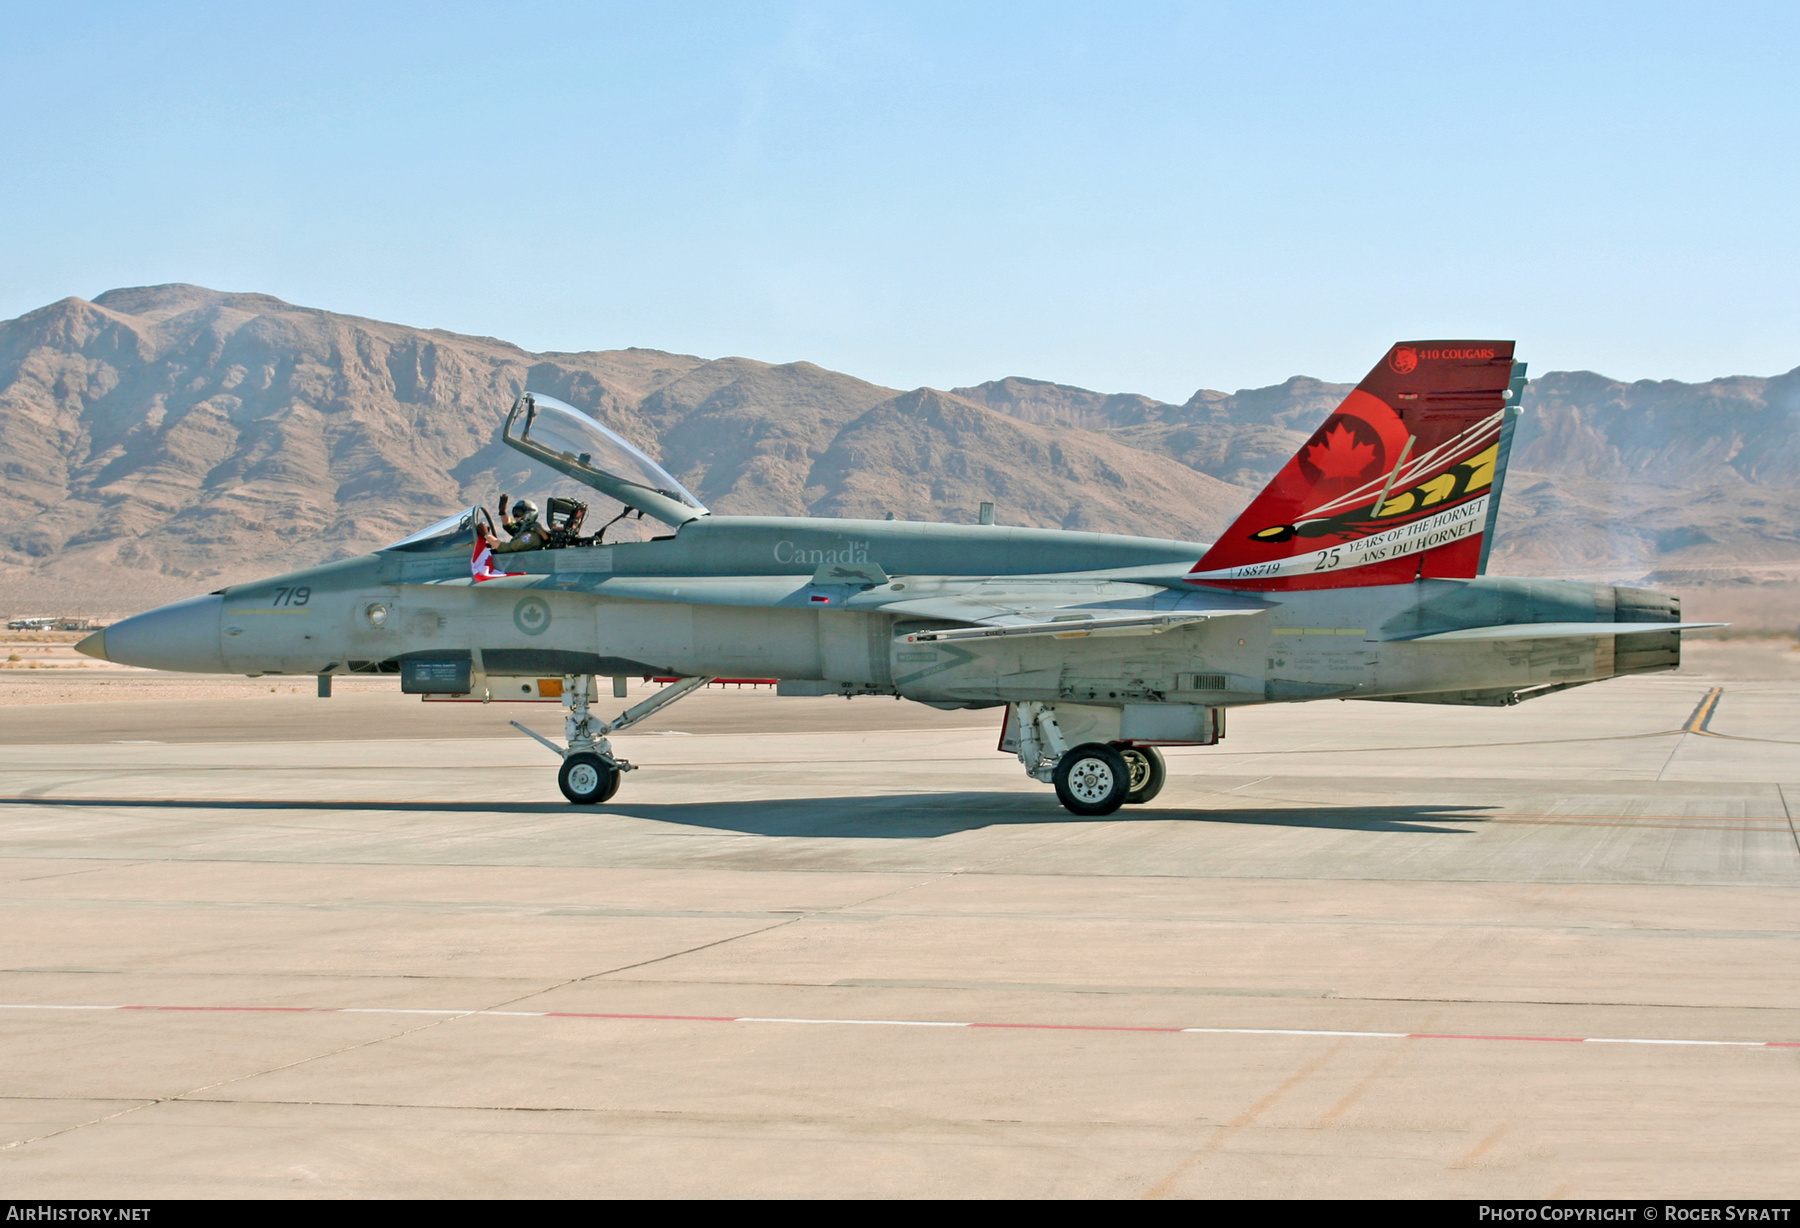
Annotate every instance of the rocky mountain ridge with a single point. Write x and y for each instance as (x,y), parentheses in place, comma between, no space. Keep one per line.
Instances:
(161,441)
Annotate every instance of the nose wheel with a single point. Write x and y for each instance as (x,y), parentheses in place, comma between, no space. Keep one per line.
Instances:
(587,780)
(590,772)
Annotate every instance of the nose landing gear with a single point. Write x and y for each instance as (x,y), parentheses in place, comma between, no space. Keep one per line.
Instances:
(587,779)
(590,772)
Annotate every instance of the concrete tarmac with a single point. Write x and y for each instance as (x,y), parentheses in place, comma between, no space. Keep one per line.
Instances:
(1358,950)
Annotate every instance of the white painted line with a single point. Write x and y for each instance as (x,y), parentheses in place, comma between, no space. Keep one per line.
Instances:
(896,1023)
(1293,1032)
(884,1023)
(1632,1040)
(385,1010)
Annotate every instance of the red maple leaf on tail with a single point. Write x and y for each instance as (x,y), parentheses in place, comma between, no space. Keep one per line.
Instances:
(1339,455)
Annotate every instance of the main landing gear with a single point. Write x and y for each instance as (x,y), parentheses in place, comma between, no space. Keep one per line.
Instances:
(590,772)
(1145,763)
(1091,779)
(1094,778)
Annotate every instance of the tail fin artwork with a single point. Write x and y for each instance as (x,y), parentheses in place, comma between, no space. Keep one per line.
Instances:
(1402,481)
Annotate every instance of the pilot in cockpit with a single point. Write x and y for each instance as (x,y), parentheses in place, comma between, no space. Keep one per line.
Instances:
(522,526)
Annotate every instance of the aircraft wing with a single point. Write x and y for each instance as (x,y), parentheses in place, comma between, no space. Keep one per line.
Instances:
(1063,608)
(1066,607)
(1068,625)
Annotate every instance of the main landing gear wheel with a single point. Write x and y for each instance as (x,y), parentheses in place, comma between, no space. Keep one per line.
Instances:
(1092,779)
(1145,763)
(587,780)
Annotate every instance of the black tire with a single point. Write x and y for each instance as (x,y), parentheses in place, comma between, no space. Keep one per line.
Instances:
(1092,779)
(587,780)
(1145,763)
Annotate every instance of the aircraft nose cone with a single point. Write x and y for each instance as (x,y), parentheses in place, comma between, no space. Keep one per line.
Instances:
(94,645)
(183,636)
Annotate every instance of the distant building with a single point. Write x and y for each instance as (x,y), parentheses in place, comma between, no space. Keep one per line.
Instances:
(54,622)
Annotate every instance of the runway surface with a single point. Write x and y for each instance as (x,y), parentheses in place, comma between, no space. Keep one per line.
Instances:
(267,945)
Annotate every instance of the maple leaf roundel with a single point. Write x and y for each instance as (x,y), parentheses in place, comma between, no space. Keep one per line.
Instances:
(1346,450)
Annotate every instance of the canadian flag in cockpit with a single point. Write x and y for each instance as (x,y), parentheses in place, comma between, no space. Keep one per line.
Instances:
(481,562)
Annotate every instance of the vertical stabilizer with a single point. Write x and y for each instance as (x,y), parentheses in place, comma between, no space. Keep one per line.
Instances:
(1515,397)
(1399,482)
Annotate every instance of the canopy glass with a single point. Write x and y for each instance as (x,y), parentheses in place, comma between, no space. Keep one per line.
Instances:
(453,529)
(564,438)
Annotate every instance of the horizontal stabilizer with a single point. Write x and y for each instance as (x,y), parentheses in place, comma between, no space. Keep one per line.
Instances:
(1541,631)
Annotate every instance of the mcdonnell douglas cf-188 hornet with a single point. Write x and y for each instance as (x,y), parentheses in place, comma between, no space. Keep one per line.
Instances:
(1358,573)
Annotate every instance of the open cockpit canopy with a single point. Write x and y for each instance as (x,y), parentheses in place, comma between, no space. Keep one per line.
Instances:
(562,437)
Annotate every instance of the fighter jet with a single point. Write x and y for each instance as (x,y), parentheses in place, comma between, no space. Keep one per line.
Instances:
(1358,573)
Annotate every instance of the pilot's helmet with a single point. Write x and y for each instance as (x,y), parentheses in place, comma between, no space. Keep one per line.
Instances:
(524,508)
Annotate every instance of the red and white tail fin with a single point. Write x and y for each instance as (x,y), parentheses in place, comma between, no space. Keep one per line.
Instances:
(1401,481)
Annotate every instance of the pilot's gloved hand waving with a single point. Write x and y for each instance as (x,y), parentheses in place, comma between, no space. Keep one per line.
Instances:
(523,526)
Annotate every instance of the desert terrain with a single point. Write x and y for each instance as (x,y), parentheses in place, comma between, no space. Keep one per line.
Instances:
(163,441)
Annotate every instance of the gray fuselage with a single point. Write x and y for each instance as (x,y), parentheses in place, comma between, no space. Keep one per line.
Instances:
(741,597)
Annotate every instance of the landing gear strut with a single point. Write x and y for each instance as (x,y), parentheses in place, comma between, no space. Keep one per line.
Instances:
(1091,779)
(590,771)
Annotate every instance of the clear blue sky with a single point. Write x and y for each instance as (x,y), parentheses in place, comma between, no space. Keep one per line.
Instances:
(1137,197)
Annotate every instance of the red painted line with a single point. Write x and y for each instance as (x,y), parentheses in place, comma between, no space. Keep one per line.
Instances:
(1017,1027)
(1571,1040)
